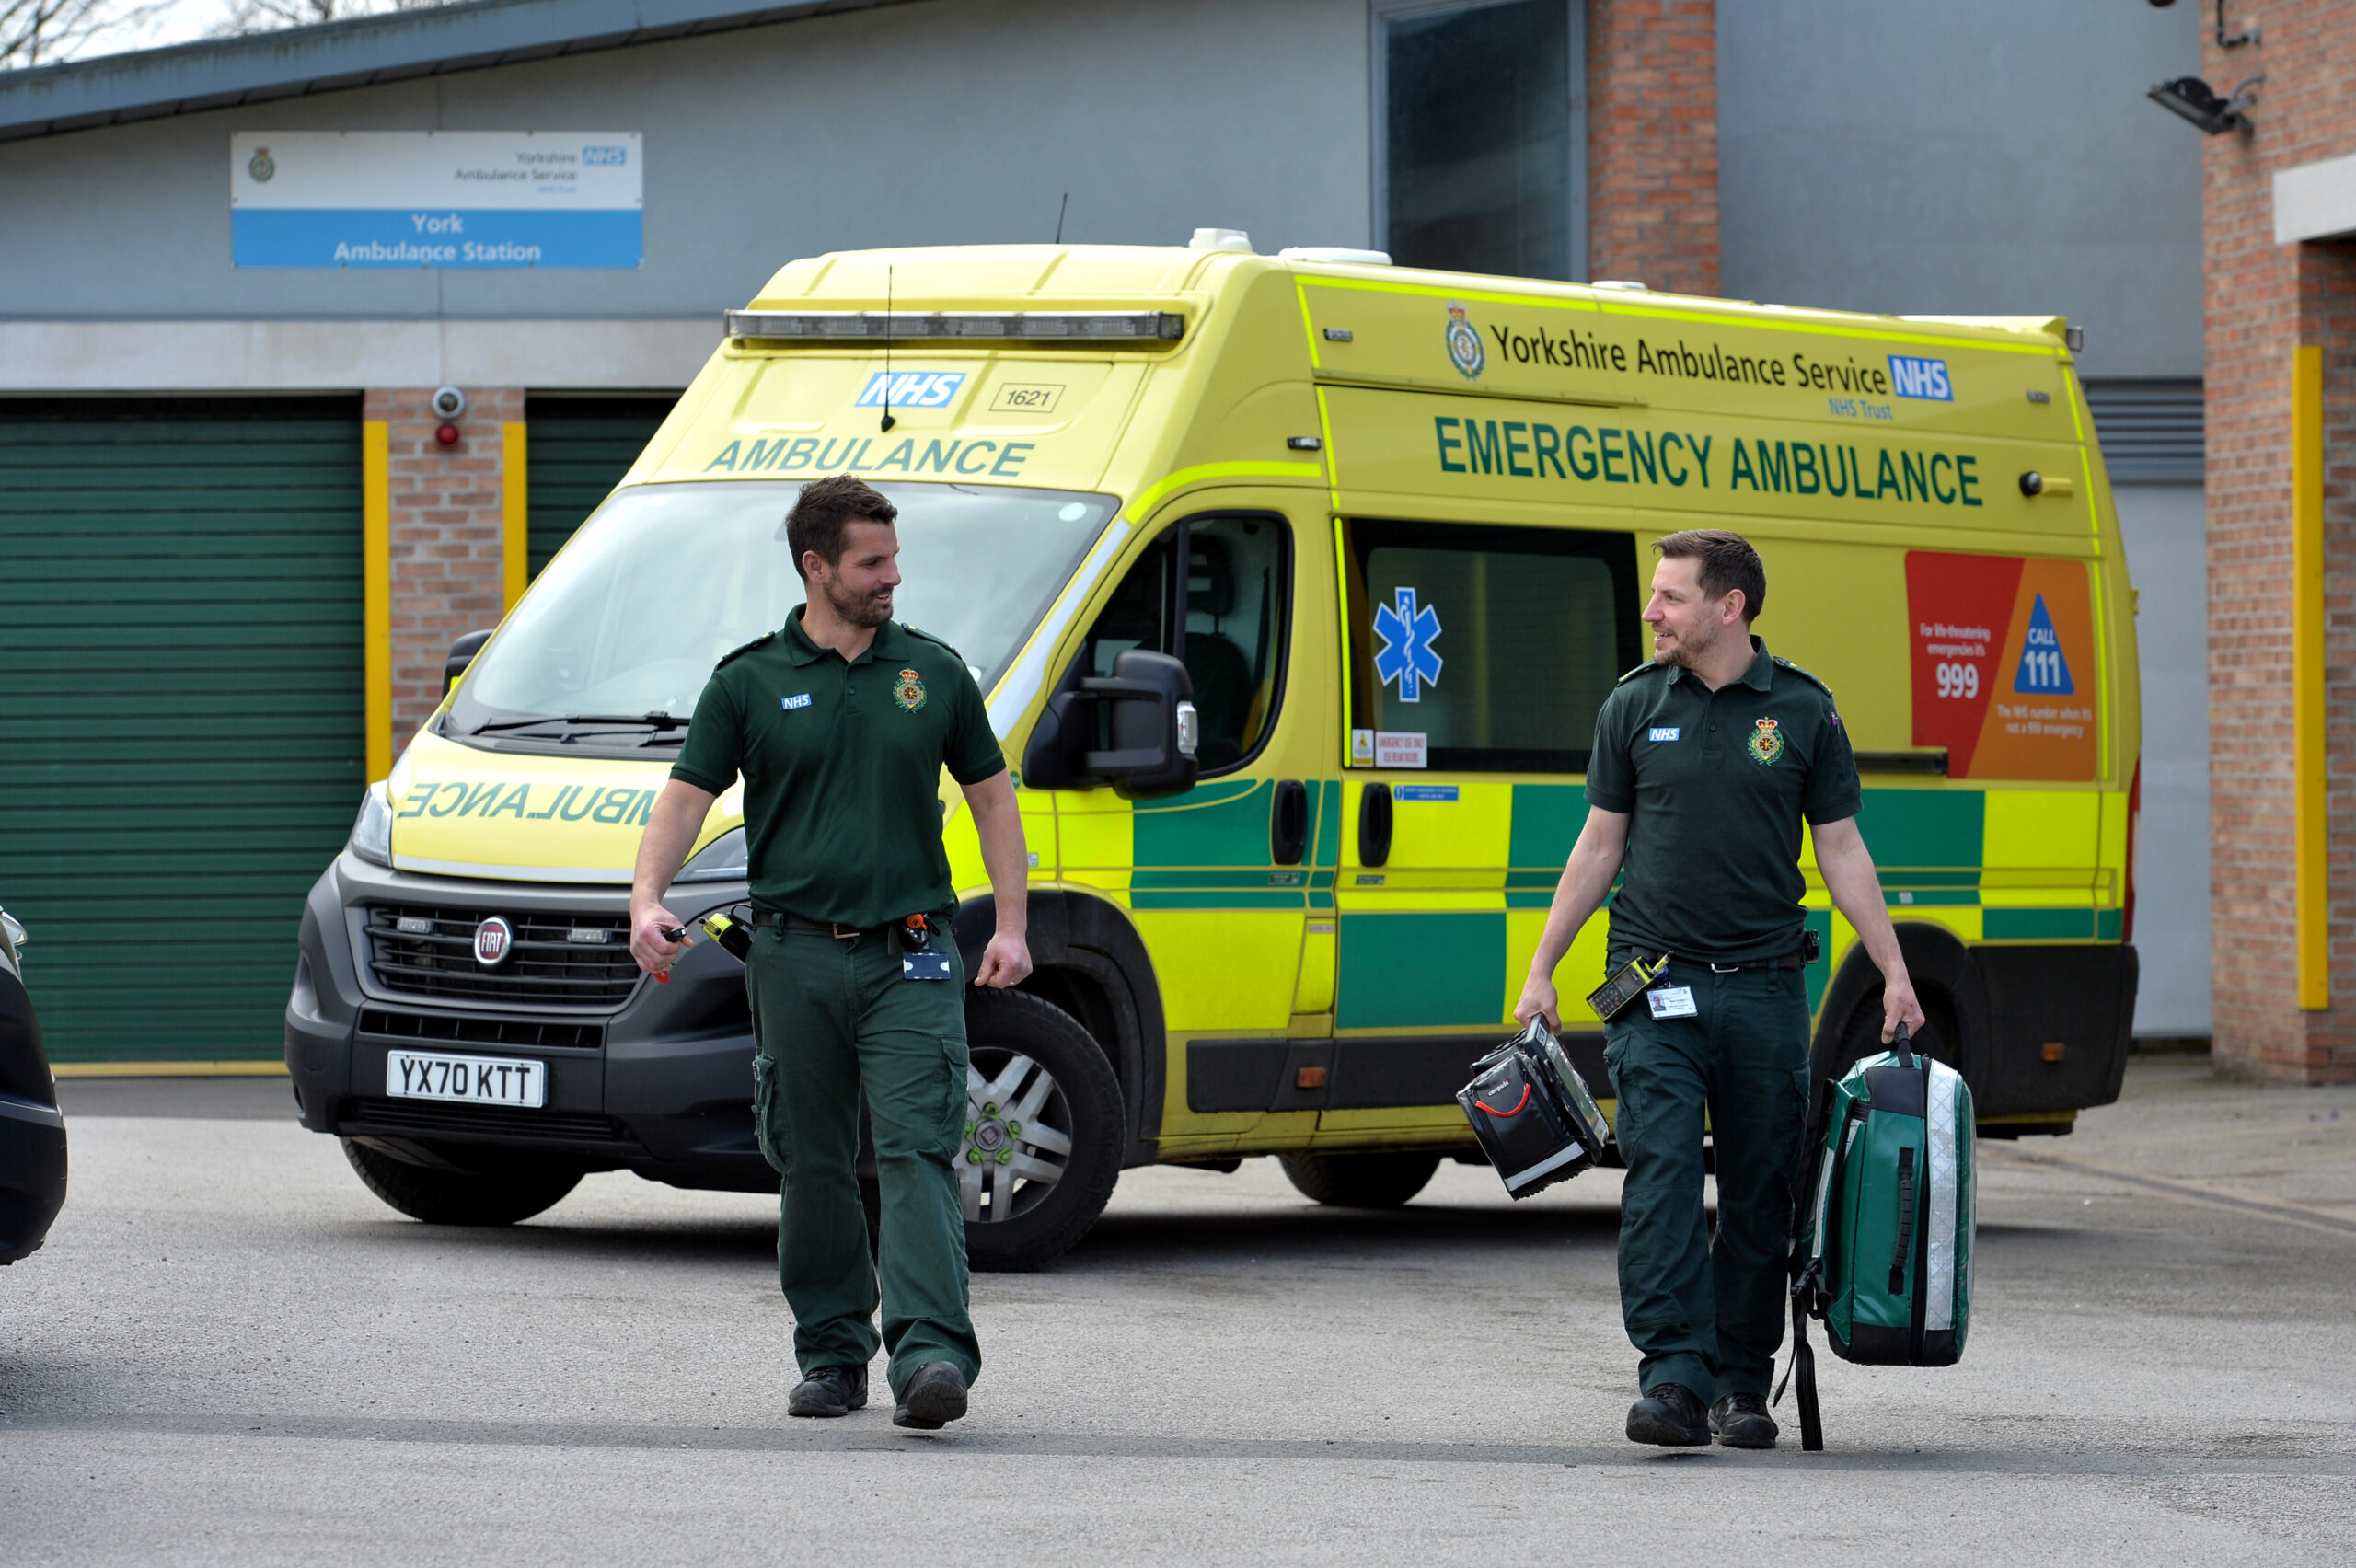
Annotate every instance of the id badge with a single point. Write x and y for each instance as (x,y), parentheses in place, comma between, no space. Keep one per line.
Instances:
(1673,1001)
(924,964)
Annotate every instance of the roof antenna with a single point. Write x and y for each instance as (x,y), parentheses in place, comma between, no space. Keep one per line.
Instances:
(888,420)
(1059,217)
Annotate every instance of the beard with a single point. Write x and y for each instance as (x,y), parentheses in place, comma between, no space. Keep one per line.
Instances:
(1687,649)
(858,609)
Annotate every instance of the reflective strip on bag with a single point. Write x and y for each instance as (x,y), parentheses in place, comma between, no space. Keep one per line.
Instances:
(1939,1276)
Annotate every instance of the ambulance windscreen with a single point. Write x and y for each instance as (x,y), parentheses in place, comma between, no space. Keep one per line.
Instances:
(612,645)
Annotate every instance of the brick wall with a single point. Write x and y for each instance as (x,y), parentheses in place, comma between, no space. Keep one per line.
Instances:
(1652,78)
(446,536)
(2263,302)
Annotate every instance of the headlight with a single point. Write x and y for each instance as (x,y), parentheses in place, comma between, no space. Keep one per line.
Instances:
(722,860)
(372,831)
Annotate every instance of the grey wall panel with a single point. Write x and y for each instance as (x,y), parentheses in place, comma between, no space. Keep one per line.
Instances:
(2165,530)
(956,122)
(1993,157)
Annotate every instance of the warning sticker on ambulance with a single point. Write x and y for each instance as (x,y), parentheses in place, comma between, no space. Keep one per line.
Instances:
(2003,674)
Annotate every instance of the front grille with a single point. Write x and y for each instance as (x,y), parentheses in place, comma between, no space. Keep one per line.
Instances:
(483,1121)
(525,1032)
(543,966)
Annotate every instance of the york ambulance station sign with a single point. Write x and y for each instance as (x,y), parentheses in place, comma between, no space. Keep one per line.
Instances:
(436,198)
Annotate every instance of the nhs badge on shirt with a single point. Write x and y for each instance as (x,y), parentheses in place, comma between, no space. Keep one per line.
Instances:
(1661,732)
(791,703)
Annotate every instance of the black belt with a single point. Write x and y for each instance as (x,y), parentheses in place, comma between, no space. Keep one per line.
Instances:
(776,921)
(1794,960)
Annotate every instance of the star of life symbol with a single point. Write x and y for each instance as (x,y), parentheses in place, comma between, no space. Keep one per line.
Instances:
(1406,655)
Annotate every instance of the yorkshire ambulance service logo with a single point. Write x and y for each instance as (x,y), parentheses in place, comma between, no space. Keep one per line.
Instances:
(494,939)
(1765,744)
(262,165)
(909,694)
(1464,350)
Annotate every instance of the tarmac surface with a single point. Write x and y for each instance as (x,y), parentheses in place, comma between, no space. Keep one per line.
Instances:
(230,1352)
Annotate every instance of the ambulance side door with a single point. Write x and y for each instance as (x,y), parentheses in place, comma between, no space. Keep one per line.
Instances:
(1476,658)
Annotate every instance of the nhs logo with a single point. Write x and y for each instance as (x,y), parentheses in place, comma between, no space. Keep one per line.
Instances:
(1921,378)
(911,389)
(611,157)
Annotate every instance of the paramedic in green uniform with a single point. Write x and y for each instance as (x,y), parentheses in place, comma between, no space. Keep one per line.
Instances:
(841,724)
(1705,762)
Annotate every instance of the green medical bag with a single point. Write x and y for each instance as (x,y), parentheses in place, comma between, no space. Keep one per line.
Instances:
(1884,1251)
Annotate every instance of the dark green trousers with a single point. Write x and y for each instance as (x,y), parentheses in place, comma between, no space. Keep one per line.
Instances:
(1709,1313)
(832,1016)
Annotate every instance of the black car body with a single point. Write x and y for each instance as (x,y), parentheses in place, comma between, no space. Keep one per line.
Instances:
(32,1129)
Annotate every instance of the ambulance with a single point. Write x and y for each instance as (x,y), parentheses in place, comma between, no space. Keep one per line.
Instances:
(1293,583)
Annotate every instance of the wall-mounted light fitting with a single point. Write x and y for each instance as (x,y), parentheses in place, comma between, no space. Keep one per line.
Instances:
(2197,101)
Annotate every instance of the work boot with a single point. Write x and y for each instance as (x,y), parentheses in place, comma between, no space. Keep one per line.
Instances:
(934,1398)
(1742,1421)
(1671,1416)
(830,1390)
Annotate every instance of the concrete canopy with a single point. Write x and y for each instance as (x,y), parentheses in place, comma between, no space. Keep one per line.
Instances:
(224,72)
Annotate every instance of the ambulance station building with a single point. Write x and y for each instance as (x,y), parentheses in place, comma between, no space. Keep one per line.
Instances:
(237,535)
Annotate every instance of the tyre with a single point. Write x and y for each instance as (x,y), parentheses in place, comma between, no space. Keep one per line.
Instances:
(500,1195)
(1043,1131)
(1359,1181)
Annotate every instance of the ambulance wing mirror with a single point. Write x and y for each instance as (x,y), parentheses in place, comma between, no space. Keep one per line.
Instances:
(1148,716)
(462,653)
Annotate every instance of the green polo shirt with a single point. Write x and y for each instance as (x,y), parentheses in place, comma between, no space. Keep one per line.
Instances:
(842,768)
(1716,783)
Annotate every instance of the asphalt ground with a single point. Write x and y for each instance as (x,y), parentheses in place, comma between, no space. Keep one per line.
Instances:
(229,1351)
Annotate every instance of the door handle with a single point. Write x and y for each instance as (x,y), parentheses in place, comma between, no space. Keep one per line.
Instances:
(1289,822)
(1374,824)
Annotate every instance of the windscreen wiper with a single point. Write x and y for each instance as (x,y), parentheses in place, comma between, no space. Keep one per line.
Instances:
(641,720)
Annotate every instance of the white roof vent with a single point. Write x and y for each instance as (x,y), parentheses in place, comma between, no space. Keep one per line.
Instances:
(1334,253)
(1220,239)
(1625,285)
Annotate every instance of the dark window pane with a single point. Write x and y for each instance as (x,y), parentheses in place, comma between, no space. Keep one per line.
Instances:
(1513,637)
(1233,646)
(1479,139)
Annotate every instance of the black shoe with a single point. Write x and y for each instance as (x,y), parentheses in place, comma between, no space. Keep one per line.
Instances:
(830,1390)
(1671,1416)
(935,1397)
(1742,1421)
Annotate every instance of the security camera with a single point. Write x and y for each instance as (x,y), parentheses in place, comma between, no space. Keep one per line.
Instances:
(448,403)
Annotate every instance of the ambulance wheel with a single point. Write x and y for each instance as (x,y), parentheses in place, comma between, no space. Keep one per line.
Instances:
(500,1195)
(1043,1131)
(1860,1034)
(1359,1181)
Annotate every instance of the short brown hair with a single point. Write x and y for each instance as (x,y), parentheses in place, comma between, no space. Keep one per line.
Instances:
(825,508)
(1727,561)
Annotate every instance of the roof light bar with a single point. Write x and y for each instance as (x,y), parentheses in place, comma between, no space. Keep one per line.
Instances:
(1027,326)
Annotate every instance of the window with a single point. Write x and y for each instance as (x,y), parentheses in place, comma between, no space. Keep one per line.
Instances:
(1231,637)
(1497,645)
(1483,153)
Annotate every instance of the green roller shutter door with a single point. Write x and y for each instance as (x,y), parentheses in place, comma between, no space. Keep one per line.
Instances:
(578,449)
(181,740)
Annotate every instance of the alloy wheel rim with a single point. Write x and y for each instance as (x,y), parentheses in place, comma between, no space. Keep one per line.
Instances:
(1018,1137)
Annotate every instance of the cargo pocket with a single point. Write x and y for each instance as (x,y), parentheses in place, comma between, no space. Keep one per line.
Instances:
(763,1096)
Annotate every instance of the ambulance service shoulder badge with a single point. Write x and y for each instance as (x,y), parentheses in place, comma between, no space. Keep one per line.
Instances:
(909,692)
(1765,744)
(1464,350)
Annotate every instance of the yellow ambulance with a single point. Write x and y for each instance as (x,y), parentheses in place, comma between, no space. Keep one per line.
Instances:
(1379,537)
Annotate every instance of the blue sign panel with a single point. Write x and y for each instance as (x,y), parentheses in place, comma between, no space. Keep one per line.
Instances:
(430,198)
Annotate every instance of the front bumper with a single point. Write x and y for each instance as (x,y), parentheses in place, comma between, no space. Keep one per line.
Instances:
(661,1084)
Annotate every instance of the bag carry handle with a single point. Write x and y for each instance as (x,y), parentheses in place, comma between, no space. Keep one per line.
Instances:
(1905,1054)
(1905,1222)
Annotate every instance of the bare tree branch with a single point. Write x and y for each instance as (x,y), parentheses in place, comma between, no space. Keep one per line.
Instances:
(41,32)
(268,15)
